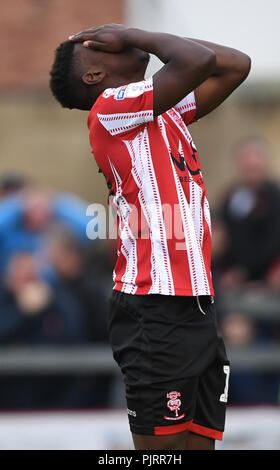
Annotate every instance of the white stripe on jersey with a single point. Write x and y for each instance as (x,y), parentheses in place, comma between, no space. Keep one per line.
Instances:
(196,209)
(122,122)
(138,175)
(128,246)
(186,104)
(184,130)
(193,247)
(207,213)
(149,197)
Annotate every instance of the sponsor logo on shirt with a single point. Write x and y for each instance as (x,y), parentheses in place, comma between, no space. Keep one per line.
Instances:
(130,91)
(134,89)
(121,94)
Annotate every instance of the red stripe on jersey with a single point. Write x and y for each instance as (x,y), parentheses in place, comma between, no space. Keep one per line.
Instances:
(163,169)
(144,272)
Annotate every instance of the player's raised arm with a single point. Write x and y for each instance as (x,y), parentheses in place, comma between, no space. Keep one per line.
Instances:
(232,68)
(187,63)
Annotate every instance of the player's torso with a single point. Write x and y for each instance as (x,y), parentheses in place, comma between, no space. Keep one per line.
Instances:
(166,143)
(155,179)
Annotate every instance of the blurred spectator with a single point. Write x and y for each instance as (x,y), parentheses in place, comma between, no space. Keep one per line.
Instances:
(36,314)
(238,330)
(11,183)
(33,313)
(219,249)
(26,217)
(53,291)
(248,386)
(78,279)
(251,214)
(246,257)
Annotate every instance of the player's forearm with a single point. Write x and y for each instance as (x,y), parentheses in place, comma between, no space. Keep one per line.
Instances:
(228,60)
(174,50)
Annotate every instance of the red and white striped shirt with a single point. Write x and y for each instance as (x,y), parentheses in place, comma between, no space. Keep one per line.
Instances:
(152,167)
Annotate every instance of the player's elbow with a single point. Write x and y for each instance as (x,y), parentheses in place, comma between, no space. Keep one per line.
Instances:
(243,66)
(207,64)
(202,65)
(246,65)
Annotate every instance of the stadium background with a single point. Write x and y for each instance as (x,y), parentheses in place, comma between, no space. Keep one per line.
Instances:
(48,146)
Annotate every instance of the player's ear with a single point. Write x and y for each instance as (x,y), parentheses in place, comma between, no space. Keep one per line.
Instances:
(94,75)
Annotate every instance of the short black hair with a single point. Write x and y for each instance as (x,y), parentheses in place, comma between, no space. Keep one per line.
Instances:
(12,182)
(65,84)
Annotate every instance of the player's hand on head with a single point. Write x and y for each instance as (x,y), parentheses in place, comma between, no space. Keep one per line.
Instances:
(107,38)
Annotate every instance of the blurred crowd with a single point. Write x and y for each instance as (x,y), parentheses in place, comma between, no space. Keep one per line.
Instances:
(55,282)
(54,285)
(246,267)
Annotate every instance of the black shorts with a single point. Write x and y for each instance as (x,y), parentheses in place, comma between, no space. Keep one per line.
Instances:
(173,361)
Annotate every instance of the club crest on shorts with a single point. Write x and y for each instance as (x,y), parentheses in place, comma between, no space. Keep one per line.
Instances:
(174,404)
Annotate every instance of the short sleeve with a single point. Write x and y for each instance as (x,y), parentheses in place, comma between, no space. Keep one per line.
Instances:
(122,110)
(187,108)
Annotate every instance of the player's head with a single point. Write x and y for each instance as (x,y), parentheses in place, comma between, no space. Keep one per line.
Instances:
(252,157)
(80,74)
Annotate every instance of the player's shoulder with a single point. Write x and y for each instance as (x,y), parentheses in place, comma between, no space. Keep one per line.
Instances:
(124,108)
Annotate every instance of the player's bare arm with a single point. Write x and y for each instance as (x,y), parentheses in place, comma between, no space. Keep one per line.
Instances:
(232,68)
(187,63)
